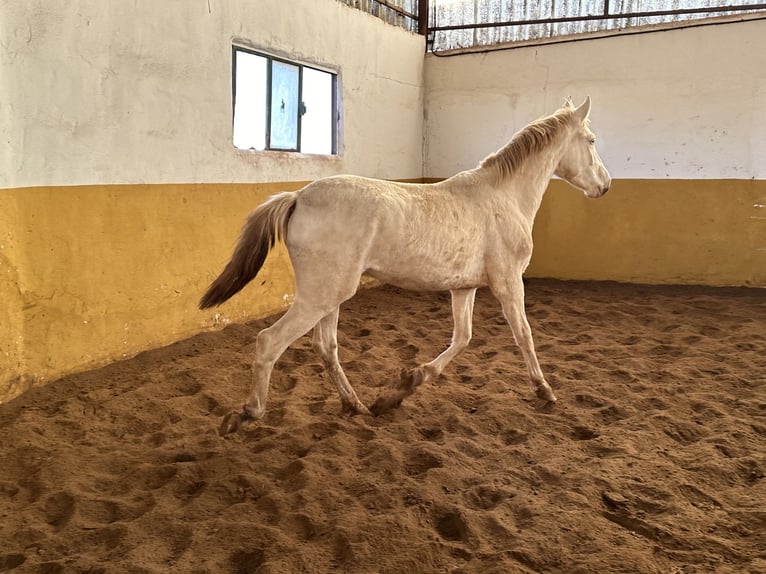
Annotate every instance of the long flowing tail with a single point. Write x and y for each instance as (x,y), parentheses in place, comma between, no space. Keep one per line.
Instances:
(264,226)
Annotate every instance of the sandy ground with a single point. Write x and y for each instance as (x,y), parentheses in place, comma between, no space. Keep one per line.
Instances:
(652,461)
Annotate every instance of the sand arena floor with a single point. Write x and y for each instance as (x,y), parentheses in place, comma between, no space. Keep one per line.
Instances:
(652,461)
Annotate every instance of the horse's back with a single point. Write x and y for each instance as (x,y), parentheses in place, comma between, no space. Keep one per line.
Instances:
(417,236)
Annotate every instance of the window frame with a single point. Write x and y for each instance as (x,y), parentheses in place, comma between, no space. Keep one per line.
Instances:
(335,119)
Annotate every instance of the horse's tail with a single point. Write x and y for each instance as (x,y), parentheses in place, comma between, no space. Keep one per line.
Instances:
(264,226)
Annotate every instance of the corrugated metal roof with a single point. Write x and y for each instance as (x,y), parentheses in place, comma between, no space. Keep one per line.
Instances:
(489,22)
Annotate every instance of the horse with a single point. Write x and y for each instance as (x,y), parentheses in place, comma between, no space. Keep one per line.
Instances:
(471,230)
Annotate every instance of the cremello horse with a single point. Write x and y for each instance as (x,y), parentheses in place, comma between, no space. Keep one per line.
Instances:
(471,230)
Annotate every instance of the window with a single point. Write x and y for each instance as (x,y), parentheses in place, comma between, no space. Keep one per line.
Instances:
(282,105)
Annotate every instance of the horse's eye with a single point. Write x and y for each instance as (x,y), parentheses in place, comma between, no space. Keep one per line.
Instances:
(592,141)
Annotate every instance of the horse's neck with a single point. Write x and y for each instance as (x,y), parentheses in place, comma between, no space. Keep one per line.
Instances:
(526,187)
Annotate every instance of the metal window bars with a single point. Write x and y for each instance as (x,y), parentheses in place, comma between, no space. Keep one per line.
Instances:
(402,13)
(465,24)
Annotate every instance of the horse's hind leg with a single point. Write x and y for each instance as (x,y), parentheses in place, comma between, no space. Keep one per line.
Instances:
(326,345)
(317,294)
(462,316)
(510,293)
(270,345)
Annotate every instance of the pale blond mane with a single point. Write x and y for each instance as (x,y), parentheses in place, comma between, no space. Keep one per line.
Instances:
(530,140)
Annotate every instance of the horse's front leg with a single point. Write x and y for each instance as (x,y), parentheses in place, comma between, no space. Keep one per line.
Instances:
(510,293)
(462,314)
(462,317)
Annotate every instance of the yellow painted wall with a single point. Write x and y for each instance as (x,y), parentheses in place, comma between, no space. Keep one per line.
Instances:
(12,362)
(91,274)
(708,232)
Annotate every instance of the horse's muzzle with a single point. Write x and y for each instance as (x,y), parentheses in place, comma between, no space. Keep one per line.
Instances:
(605,187)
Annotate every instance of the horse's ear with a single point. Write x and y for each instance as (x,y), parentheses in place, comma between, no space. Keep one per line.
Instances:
(584,109)
(568,102)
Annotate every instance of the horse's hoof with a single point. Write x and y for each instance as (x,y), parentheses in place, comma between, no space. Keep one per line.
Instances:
(411,379)
(546,393)
(230,424)
(353,410)
(360,409)
(233,421)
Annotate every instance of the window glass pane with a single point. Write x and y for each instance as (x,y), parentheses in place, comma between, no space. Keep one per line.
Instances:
(284,106)
(316,123)
(250,101)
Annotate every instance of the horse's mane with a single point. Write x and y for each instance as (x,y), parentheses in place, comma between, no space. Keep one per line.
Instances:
(531,139)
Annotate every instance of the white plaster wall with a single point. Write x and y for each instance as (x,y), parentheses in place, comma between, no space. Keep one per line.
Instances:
(687,103)
(117,91)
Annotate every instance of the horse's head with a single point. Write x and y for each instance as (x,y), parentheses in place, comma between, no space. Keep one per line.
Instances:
(580,165)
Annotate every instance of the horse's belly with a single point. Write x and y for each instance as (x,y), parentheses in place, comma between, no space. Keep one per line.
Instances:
(427,276)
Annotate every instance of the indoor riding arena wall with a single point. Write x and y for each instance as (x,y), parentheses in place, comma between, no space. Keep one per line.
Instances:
(680,118)
(121,193)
